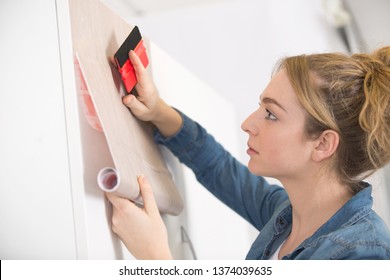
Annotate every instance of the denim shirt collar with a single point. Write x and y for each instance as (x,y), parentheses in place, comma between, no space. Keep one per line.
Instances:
(356,208)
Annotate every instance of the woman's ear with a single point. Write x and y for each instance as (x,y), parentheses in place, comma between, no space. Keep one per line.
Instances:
(325,145)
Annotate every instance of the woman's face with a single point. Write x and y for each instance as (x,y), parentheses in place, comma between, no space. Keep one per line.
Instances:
(277,145)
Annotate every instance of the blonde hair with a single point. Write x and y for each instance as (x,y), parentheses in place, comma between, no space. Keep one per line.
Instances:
(350,95)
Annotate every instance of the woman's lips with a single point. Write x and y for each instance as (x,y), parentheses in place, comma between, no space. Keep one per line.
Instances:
(251,151)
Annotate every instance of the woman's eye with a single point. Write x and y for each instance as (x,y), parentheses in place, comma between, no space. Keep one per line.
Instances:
(270,116)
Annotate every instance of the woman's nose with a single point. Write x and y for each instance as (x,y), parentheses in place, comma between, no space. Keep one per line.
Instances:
(248,125)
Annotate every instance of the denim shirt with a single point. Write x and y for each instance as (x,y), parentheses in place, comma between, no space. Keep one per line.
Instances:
(354,232)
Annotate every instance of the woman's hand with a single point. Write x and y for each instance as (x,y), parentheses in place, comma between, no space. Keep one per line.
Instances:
(144,107)
(148,106)
(142,230)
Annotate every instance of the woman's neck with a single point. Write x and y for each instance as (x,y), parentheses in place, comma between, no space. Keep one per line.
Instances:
(314,201)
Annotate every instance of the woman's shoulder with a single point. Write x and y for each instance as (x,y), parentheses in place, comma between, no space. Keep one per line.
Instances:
(366,238)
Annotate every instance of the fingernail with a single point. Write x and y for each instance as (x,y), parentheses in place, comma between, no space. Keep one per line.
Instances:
(129,99)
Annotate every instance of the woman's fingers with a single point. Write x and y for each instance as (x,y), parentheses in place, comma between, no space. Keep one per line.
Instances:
(139,68)
(146,190)
(119,202)
(113,61)
(150,204)
(142,230)
(137,107)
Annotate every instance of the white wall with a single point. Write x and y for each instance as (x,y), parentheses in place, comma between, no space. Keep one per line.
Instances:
(33,136)
(372,21)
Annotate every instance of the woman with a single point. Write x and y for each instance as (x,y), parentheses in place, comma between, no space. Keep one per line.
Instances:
(322,126)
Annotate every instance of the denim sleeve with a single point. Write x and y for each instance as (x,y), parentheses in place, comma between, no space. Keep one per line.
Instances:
(216,169)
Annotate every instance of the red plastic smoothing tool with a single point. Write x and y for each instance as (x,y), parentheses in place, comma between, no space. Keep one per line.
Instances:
(125,67)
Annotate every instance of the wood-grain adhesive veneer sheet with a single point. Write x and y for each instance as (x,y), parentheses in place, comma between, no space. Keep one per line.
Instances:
(97,33)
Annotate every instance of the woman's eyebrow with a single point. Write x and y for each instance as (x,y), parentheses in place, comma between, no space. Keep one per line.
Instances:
(268,100)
